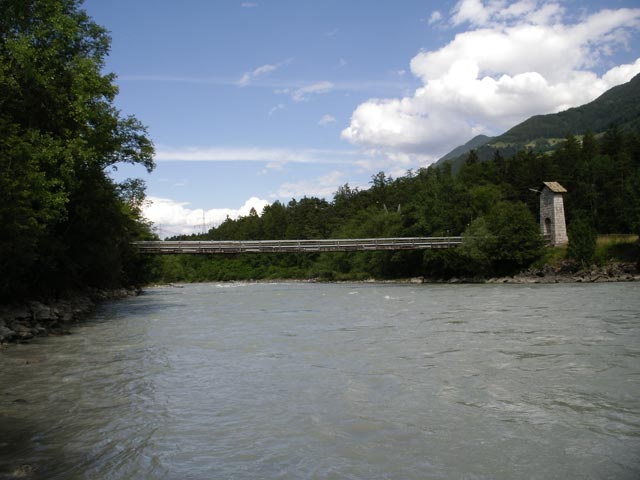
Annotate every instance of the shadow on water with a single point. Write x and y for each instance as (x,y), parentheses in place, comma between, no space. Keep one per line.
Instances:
(22,453)
(145,304)
(25,432)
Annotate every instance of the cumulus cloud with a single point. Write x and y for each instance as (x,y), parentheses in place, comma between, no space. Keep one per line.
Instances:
(248,4)
(518,59)
(175,218)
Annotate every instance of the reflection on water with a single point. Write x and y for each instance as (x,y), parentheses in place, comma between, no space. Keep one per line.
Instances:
(252,381)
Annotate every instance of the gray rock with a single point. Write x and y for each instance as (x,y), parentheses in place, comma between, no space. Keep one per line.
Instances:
(64,312)
(11,313)
(6,334)
(41,312)
(20,328)
(22,332)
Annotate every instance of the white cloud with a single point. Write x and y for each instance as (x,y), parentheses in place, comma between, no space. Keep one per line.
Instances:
(255,154)
(472,11)
(495,12)
(264,69)
(326,119)
(317,88)
(521,60)
(260,71)
(248,76)
(435,17)
(175,218)
(279,86)
(394,163)
(277,108)
(248,4)
(244,80)
(322,187)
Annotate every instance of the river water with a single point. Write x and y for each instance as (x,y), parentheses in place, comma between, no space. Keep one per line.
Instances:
(333,381)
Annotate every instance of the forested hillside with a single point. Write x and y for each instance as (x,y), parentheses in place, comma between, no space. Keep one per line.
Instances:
(64,224)
(618,107)
(491,203)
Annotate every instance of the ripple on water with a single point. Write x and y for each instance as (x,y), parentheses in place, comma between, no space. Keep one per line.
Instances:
(333,381)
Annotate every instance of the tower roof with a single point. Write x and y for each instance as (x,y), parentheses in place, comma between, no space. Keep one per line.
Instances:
(555,187)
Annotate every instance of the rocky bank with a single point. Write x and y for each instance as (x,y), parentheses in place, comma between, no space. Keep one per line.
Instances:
(568,273)
(22,322)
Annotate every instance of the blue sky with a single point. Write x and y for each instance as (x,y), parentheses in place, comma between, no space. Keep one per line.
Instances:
(249,102)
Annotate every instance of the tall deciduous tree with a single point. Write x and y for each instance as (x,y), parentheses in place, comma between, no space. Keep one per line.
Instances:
(63,221)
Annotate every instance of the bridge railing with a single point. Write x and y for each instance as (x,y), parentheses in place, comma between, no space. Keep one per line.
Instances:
(279,246)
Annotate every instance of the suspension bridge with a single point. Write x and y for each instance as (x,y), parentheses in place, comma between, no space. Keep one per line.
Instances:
(293,246)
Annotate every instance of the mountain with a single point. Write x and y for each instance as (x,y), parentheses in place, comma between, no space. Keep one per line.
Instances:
(619,106)
(475,142)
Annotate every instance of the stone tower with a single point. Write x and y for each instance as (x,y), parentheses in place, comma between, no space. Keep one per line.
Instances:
(552,222)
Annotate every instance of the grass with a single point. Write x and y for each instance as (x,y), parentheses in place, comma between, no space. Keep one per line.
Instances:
(613,239)
(609,248)
(551,256)
(621,248)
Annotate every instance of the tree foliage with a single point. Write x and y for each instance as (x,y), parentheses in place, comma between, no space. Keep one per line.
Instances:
(64,223)
(582,240)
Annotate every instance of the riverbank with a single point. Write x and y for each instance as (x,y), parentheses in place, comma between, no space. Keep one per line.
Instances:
(562,273)
(22,322)
(565,272)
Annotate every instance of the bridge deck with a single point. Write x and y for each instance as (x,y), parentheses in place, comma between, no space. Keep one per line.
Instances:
(279,246)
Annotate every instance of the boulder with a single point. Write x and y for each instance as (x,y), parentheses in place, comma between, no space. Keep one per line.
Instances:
(6,334)
(41,312)
(63,312)
(22,331)
(10,313)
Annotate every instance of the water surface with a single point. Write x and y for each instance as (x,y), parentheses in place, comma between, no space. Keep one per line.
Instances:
(355,381)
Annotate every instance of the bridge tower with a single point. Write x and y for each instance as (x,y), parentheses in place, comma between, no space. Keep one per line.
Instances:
(552,223)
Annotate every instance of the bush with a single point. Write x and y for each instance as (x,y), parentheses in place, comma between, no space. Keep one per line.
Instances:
(503,242)
(582,240)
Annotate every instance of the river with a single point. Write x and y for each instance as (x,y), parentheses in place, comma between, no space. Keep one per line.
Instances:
(333,381)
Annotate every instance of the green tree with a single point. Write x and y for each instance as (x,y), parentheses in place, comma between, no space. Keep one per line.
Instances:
(518,240)
(504,241)
(472,158)
(60,213)
(478,246)
(582,240)
(274,221)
